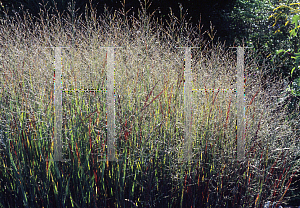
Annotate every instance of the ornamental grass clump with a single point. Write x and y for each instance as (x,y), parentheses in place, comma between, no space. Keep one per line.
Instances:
(149,111)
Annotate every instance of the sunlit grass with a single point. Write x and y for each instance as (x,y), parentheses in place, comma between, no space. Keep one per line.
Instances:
(149,109)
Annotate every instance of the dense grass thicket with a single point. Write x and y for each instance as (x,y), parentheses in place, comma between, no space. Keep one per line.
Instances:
(149,80)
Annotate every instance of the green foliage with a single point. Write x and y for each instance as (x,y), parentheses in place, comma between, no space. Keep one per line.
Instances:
(289,14)
(252,27)
(249,17)
(272,29)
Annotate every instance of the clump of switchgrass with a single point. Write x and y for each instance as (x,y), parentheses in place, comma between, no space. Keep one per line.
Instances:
(149,81)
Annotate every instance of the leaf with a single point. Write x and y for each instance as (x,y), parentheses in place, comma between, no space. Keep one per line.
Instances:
(293,32)
(280,51)
(292,71)
(295,20)
(297,60)
(286,23)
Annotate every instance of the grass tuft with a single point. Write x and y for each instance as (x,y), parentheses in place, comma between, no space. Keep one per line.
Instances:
(149,82)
